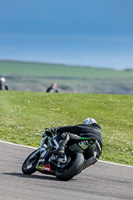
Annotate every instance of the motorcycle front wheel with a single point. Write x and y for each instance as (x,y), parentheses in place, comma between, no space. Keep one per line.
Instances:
(29,165)
(77,161)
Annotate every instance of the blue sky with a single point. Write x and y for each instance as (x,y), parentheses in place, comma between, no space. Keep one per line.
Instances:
(78,32)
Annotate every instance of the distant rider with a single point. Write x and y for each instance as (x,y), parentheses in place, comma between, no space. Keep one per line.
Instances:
(52,88)
(2,84)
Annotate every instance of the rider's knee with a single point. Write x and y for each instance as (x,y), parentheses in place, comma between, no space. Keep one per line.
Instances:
(94,151)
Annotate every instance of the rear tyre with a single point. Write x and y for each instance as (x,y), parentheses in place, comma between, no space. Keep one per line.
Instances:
(29,165)
(74,169)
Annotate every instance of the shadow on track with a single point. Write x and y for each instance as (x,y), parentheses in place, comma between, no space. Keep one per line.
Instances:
(32,176)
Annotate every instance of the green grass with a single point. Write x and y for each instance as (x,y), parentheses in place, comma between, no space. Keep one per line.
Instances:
(54,70)
(25,115)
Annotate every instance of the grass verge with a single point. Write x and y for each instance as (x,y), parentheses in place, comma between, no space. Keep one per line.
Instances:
(25,115)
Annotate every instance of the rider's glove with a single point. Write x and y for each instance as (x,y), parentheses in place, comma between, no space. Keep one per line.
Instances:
(50,132)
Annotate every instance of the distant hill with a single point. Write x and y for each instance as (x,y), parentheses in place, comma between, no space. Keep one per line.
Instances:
(36,77)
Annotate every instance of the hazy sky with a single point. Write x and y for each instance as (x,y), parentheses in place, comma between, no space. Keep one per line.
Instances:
(79,32)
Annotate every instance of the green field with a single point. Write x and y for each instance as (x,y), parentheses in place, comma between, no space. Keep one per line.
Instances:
(36,77)
(25,115)
(54,70)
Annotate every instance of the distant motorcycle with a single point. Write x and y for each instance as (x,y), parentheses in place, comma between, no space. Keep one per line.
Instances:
(63,168)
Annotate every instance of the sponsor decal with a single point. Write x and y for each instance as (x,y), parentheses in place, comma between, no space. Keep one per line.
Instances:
(47,168)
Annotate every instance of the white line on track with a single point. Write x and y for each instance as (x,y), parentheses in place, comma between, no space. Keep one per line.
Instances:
(36,148)
(20,145)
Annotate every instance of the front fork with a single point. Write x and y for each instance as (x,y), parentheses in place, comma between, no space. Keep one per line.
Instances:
(47,144)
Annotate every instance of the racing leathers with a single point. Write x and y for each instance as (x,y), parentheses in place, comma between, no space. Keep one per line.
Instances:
(92,147)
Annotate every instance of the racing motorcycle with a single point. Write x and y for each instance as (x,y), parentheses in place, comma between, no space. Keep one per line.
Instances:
(63,168)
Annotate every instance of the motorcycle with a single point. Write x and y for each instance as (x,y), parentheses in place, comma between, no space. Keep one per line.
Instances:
(63,168)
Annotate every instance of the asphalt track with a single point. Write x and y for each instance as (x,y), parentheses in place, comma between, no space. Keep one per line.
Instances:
(102,181)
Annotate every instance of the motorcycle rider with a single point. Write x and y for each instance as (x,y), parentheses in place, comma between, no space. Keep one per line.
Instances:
(52,88)
(2,84)
(92,147)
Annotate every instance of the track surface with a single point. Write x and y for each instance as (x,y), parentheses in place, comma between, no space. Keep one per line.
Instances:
(101,181)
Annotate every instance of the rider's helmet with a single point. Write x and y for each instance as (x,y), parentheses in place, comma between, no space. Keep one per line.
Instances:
(3,80)
(89,121)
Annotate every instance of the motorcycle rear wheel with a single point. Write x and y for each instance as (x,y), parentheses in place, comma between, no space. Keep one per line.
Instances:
(75,168)
(29,165)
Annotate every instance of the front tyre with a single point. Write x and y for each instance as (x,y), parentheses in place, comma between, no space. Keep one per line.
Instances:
(29,165)
(74,169)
